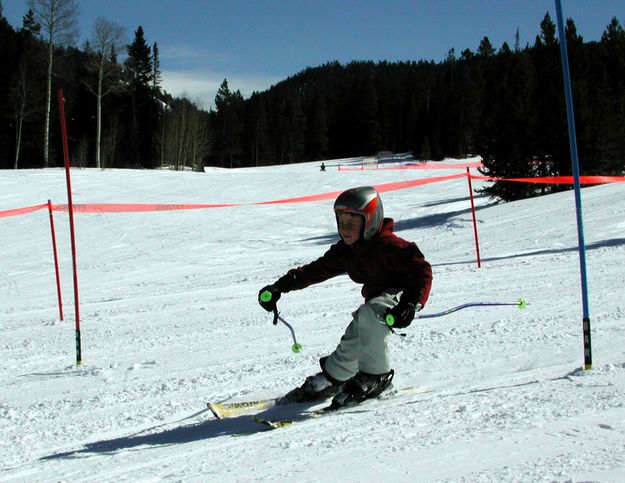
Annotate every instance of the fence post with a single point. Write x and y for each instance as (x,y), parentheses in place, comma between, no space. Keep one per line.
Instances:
(70,206)
(477,243)
(568,95)
(56,261)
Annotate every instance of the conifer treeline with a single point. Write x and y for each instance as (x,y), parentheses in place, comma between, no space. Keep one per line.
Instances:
(505,104)
(117,114)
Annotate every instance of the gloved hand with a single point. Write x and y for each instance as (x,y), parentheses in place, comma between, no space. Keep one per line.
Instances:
(401,316)
(268,297)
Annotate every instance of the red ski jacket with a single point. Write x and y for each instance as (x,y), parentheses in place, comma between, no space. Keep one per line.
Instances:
(387,261)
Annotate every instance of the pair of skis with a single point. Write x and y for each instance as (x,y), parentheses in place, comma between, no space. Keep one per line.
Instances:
(232,409)
(224,410)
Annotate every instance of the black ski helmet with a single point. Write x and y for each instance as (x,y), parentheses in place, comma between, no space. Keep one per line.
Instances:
(366,202)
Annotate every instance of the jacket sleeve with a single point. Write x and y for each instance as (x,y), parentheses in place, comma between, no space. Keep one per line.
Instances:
(414,273)
(325,267)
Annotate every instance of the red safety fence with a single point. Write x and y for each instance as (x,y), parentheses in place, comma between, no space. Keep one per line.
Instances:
(21,211)
(398,185)
(557,179)
(91,208)
(134,207)
(472,164)
(381,188)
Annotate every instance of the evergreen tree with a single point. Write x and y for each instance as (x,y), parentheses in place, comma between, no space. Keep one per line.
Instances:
(29,23)
(486,49)
(228,125)
(138,65)
(291,127)
(362,107)
(548,31)
(257,131)
(144,109)
(502,136)
(157,77)
(611,152)
(316,130)
(548,128)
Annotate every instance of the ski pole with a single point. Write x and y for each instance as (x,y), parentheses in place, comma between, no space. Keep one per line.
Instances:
(296,347)
(266,297)
(521,304)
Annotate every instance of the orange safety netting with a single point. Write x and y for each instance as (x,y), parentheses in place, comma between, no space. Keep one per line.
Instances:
(557,179)
(381,188)
(428,165)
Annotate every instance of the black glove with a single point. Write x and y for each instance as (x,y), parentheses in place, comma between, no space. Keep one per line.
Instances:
(401,316)
(268,297)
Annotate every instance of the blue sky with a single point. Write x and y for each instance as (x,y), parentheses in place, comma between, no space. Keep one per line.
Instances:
(256,43)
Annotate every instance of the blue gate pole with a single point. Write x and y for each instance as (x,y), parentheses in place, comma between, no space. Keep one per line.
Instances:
(578,198)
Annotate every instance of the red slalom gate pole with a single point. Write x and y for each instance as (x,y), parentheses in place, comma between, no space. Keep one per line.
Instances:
(70,206)
(56,262)
(477,243)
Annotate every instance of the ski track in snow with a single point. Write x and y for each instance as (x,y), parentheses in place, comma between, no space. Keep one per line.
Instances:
(170,320)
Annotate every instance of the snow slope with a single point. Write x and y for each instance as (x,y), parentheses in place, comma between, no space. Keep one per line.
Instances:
(170,320)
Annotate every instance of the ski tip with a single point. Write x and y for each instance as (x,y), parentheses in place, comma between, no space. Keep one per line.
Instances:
(215,410)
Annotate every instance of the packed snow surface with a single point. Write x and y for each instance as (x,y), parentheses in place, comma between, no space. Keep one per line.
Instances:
(170,320)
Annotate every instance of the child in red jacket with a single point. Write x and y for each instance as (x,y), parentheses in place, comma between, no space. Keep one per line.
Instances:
(396,282)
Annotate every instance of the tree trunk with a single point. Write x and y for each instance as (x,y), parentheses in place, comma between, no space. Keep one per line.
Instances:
(98,134)
(46,134)
(20,121)
(18,140)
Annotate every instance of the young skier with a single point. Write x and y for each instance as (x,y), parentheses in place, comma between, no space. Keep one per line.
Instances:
(396,282)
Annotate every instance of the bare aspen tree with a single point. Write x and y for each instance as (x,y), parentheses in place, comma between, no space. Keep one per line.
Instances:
(106,43)
(186,135)
(110,140)
(26,99)
(58,20)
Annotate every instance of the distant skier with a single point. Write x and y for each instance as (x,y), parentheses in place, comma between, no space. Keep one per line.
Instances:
(396,281)
(323,167)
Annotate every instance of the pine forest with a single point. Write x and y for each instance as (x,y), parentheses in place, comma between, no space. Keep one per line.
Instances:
(503,103)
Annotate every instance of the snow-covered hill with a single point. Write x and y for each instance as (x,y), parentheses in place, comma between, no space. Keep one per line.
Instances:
(170,320)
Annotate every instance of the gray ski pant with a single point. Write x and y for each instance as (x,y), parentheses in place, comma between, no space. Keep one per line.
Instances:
(363,347)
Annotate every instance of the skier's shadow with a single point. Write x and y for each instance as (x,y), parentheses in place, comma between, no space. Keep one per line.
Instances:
(213,428)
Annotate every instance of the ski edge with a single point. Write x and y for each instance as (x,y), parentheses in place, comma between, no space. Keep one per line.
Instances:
(384,396)
(326,410)
(227,410)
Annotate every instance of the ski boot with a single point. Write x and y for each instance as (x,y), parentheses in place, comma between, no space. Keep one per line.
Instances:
(316,387)
(360,387)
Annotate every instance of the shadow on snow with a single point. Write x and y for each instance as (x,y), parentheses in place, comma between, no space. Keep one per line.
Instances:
(212,428)
(612,242)
(244,424)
